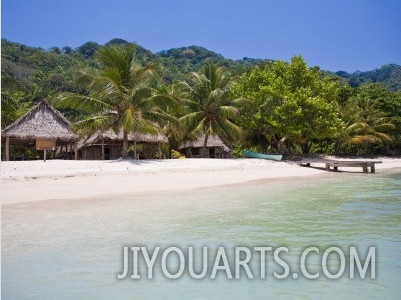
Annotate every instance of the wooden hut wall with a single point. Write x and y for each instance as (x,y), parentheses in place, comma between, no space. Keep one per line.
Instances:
(197,152)
(94,152)
(91,153)
(115,151)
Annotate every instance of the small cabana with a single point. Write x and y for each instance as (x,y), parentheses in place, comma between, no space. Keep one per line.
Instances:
(43,128)
(215,148)
(105,145)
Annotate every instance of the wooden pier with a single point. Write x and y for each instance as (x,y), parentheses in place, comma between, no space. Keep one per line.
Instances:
(335,164)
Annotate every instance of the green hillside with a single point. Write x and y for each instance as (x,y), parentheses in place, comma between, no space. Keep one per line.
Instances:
(40,71)
(389,75)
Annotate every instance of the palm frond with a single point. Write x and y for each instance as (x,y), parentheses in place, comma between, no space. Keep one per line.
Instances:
(82,103)
(191,119)
(231,130)
(385,127)
(140,94)
(140,74)
(106,89)
(92,124)
(356,127)
(228,112)
(145,126)
(201,128)
(128,120)
(382,136)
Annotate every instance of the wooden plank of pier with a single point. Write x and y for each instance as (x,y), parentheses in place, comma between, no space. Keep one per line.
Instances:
(335,164)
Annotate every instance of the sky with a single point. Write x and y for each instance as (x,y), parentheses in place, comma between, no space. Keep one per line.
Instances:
(347,35)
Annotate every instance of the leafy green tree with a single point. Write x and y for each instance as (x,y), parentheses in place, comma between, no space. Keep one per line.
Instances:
(120,96)
(67,50)
(116,42)
(15,100)
(88,49)
(9,109)
(12,107)
(290,103)
(212,110)
(56,50)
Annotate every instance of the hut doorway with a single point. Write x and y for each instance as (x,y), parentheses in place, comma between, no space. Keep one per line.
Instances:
(106,152)
(212,152)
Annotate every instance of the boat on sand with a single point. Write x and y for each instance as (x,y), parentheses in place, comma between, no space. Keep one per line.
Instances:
(251,154)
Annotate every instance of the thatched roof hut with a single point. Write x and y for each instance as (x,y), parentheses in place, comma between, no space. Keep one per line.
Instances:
(96,145)
(110,135)
(42,122)
(215,147)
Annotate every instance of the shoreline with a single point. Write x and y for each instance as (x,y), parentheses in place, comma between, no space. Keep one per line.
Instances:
(30,181)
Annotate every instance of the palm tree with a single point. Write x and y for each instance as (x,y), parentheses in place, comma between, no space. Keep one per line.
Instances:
(120,96)
(170,123)
(212,109)
(365,123)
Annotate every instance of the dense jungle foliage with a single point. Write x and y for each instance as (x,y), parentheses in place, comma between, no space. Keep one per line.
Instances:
(269,106)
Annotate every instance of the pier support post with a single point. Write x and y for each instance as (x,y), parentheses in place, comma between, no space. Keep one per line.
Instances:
(365,168)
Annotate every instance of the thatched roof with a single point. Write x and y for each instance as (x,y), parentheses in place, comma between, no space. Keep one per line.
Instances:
(213,141)
(42,122)
(110,135)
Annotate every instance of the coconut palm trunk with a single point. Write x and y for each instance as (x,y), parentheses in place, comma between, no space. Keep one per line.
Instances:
(125,144)
(205,154)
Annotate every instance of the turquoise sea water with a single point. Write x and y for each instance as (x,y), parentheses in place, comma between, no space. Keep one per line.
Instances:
(73,249)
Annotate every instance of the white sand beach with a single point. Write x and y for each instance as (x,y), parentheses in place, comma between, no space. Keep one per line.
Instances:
(25,181)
